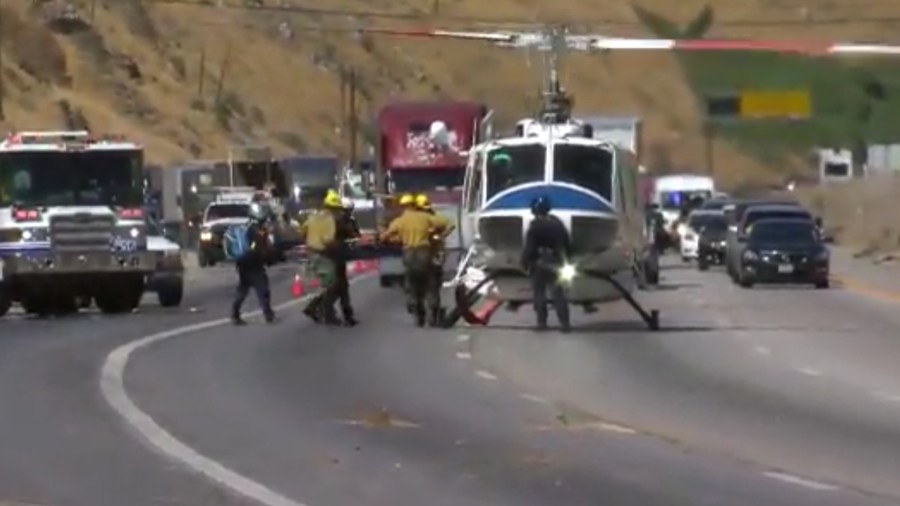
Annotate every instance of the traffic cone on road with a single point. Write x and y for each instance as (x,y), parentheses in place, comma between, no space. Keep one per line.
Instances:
(297,287)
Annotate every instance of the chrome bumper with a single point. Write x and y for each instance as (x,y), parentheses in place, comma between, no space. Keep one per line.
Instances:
(51,263)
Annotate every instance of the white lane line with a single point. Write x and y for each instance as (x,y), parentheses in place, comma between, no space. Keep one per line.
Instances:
(802,482)
(485,375)
(112,385)
(807,371)
(762,350)
(534,398)
(463,355)
(887,396)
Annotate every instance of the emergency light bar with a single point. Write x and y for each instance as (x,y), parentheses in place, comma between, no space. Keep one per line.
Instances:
(235,198)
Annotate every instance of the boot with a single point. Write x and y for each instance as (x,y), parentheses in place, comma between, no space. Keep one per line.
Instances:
(237,320)
(349,320)
(421,317)
(312,311)
(437,317)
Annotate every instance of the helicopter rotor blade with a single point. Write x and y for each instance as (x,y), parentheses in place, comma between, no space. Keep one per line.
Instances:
(809,48)
(589,42)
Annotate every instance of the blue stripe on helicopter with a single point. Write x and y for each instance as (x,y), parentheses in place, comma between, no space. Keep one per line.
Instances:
(24,246)
(561,197)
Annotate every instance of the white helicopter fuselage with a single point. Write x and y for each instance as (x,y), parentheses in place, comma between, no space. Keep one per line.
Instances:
(592,187)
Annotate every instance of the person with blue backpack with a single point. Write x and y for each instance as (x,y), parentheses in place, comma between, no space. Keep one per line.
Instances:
(249,246)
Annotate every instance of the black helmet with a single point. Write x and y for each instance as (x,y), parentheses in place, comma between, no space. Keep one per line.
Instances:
(541,206)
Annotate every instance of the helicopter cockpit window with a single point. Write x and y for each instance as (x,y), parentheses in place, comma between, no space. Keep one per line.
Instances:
(510,166)
(586,166)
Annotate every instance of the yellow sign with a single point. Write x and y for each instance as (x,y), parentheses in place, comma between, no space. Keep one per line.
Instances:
(794,104)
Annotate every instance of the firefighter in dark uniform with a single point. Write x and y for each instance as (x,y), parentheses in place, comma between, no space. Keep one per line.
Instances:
(347,232)
(251,268)
(320,233)
(414,230)
(547,250)
(438,255)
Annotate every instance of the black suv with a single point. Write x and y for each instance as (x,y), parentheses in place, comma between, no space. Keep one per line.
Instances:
(711,241)
(783,250)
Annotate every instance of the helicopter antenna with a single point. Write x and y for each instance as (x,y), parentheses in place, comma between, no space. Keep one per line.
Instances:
(556,106)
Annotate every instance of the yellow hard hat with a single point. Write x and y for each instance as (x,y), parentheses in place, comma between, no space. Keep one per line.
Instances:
(422,201)
(406,200)
(332,199)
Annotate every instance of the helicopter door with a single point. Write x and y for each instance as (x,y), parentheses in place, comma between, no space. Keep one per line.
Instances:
(471,198)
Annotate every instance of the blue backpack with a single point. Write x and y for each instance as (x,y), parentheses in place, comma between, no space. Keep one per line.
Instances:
(235,242)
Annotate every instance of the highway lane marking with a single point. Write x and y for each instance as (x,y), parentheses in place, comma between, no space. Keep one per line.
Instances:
(866,290)
(887,396)
(535,399)
(583,426)
(802,482)
(762,350)
(485,375)
(807,371)
(112,386)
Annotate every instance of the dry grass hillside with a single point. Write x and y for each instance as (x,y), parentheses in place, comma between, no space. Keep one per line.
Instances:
(190,80)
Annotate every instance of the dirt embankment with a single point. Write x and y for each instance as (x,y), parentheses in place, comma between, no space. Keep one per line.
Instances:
(863,215)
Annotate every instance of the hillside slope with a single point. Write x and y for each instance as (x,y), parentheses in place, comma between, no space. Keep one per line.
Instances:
(152,69)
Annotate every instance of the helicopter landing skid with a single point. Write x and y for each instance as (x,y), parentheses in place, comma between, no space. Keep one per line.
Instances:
(465,299)
(651,317)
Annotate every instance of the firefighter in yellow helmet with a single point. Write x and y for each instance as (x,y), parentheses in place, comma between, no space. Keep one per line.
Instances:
(413,229)
(438,255)
(322,251)
(407,200)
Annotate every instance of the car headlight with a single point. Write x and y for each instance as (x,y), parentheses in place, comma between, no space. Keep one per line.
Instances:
(205,235)
(567,273)
(134,232)
(682,229)
(750,255)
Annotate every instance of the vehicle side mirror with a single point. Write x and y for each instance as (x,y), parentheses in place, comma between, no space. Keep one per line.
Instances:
(827,238)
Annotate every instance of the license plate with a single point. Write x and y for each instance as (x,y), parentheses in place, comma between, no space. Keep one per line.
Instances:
(785,269)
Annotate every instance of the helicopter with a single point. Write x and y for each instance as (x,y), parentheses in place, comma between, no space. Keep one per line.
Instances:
(591,182)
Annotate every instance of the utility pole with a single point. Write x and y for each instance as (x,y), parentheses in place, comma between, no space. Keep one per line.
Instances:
(709,138)
(2,83)
(353,122)
(226,61)
(343,122)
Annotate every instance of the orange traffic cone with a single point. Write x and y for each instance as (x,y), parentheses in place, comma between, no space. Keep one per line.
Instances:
(297,287)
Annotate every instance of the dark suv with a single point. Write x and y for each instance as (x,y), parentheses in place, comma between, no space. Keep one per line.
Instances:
(711,241)
(783,250)
(737,229)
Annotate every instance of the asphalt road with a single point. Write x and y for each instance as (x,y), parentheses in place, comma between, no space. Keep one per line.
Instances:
(777,397)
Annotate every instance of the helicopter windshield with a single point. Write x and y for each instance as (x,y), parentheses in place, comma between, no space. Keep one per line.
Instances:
(586,166)
(509,166)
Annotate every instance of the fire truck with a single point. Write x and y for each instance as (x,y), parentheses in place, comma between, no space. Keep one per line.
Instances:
(423,148)
(72,227)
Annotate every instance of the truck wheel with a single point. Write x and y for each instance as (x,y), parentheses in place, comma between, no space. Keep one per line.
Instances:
(386,281)
(38,305)
(170,293)
(120,297)
(5,301)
